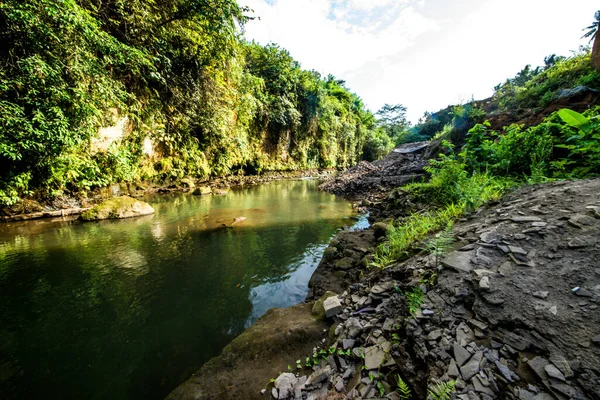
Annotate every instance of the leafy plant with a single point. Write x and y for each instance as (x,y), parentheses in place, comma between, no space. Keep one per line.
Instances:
(414,299)
(439,245)
(442,391)
(403,390)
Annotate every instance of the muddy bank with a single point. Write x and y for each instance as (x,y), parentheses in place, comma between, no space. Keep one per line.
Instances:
(511,311)
(73,205)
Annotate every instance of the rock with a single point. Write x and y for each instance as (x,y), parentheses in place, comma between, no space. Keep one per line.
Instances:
(538,365)
(577,243)
(540,294)
(348,343)
(354,328)
(464,334)
(459,261)
(434,335)
(453,369)
(553,372)
(562,364)
(554,310)
(117,208)
(374,357)
(274,393)
(318,309)
(484,283)
(332,306)
(506,268)
(285,385)
(220,192)
(517,250)
(319,376)
(263,391)
(202,190)
(187,183)
(522,219)
(479,387)
(388,325)
(472,367)
(330,253)
(382,287)
(345,264)
(380,229)
(504,370)
(596,339)
(543,396)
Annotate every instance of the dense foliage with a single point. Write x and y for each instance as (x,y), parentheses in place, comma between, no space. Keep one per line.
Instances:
(178,70)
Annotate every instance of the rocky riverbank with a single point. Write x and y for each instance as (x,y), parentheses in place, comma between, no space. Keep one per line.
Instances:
(511,311)
(78,203)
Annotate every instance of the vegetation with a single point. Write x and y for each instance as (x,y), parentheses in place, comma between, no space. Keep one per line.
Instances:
(403,390)
(210,103)
(442,391)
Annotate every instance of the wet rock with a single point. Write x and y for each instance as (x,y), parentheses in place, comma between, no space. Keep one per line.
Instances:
(344,264)
(554,372)
(202,190)
(117,208)
(332,306)
(459,261)
(285,385)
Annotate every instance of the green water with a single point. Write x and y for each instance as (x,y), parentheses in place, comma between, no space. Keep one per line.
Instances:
(129,309)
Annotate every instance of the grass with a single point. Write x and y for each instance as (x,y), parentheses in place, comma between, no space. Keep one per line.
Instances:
(465,194)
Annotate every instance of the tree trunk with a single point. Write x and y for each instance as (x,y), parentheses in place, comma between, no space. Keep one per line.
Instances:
(596,51)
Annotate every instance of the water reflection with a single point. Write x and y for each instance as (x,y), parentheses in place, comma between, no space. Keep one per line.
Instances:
(129,309)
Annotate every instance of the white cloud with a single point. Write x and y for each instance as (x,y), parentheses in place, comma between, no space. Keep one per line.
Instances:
(425,54)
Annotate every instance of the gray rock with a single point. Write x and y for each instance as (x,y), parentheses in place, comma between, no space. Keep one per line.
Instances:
(577,243)
(332,306)
(459,260)
(562,364)
(538,365)
(484,283)
(388,325)
(540,294)
(275,393)
(472,367)
(374,357)
(596,339)
(506,268)
(453,369)
(554,372)
(516,341)
(285,385)
(461,355)
(480,387)
(505,371)
(319,375)
(543,396)
(382,287)
(434,335)
(339,384)
(464,334)
(427,312)
(522,219)
(517,250)
(348,343)
(354,328)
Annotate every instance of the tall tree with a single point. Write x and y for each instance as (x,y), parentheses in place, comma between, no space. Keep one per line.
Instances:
(392,118)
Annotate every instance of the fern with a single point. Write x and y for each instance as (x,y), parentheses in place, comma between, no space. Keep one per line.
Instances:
(414,299)
(441,243)
(403,389)
(442,391)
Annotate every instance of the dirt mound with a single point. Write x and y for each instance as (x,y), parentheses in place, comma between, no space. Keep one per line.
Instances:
(403,165)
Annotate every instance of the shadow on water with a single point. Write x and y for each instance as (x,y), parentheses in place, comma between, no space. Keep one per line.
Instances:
(129,309)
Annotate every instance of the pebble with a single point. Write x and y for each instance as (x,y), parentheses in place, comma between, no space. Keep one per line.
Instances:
(484,283)
(434,335)
(540,294)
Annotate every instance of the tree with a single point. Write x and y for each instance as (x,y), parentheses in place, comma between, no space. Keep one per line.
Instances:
(392,118)
(592,30)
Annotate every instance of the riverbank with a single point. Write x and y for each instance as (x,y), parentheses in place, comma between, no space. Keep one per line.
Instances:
(78,203)
(508,312)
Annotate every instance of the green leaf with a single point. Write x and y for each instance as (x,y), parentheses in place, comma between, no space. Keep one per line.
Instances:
(573,118)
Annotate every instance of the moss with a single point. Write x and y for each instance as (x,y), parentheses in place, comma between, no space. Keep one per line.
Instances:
(318,310)
(117,207)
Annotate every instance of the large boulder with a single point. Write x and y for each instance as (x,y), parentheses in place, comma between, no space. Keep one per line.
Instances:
(117,208)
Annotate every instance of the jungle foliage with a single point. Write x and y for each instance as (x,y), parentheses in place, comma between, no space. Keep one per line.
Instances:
(211,103)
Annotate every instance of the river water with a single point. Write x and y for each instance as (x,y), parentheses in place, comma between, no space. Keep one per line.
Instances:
(129,309)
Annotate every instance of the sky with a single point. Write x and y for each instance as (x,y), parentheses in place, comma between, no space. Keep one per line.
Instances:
(424,54)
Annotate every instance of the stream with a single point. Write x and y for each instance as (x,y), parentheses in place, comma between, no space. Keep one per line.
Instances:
(129,309)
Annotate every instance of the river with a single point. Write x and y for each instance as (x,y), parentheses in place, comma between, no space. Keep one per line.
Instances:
(129,309)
